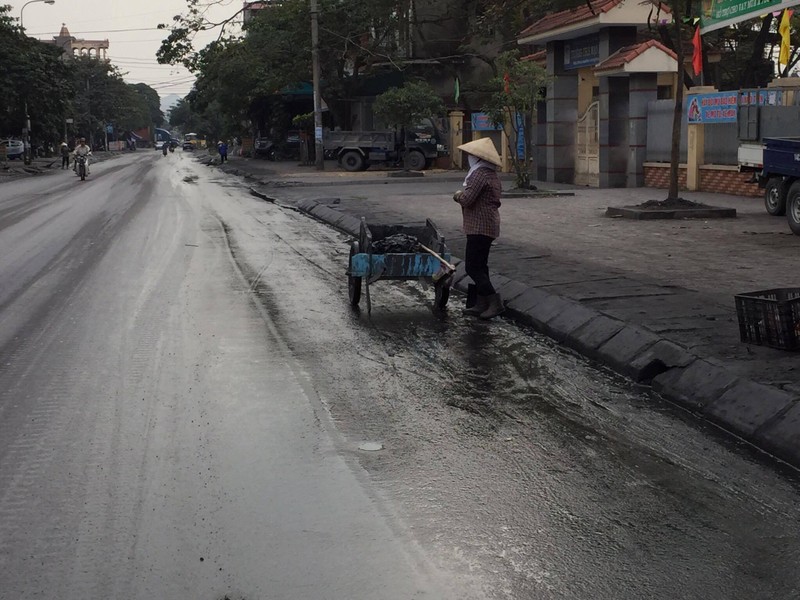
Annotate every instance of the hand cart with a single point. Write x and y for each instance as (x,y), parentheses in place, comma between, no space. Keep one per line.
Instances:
(365,267)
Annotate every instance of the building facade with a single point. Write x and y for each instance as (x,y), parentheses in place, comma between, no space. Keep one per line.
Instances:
(602,73)
(73,46)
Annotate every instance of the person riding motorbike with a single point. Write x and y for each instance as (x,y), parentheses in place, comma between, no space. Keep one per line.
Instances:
(82,150)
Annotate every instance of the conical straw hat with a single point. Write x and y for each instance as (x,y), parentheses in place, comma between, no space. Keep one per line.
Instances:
(482,148)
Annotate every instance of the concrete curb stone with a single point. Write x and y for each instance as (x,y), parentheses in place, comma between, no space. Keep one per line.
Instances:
(736,411)
(660,357)
(694,386)
(587,338)
(781,437)
(622,349)
(565,323)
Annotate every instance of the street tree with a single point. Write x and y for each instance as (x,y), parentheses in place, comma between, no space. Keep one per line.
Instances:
(152,101)
(403,107)
(103,98)
(275,53)
(517,89)
(33,74)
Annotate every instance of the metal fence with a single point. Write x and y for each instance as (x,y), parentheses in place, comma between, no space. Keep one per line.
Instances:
(721,139)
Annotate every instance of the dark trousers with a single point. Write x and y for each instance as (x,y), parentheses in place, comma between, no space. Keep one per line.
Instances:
(223,156)
(65,161)
(476,263)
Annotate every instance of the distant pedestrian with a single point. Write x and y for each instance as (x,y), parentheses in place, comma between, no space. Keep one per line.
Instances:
(64,155)
(480,201)
(223,151)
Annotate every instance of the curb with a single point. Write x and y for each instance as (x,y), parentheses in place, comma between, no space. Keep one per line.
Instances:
(766,417)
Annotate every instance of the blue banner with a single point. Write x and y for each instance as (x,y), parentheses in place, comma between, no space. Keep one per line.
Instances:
(718,107)
(482,122)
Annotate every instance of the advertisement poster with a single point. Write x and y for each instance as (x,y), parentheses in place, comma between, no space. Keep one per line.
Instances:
(719,107)
(723,107)
(482,122)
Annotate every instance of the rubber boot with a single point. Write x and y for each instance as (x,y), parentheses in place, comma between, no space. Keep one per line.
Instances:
(481,304)
(494,308)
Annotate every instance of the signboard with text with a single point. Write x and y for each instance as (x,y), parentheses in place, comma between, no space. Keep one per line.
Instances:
(716,14)
(583,52)
(719,107)
(723,107)
(482,122)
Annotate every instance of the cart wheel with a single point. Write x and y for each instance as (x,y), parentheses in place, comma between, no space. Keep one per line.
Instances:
(442,294)
(353,283)
(775,197)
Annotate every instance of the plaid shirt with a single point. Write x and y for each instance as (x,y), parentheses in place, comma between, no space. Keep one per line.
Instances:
(479,203)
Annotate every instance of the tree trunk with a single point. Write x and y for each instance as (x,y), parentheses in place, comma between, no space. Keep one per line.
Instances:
(677,116)
(756,59)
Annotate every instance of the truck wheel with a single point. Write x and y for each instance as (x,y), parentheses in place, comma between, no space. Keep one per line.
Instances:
(775,196)
(416,160)
(793,208)
(352,161)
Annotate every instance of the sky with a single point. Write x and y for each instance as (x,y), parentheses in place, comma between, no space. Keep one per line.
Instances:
(131,29)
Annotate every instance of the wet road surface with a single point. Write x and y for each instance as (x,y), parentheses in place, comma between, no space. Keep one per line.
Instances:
(184,391)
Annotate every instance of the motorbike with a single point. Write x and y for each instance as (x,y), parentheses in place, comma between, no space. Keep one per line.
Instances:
(164,148)
(81,166)
(171,148)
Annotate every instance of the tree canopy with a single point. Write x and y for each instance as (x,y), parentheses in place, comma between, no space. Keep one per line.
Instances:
(92,92)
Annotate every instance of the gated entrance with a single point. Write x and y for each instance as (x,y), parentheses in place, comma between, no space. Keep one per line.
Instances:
(587,147)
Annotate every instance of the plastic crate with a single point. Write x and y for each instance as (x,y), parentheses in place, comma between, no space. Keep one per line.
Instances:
(770,318)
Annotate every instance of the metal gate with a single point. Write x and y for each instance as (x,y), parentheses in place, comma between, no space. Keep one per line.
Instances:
(587,147)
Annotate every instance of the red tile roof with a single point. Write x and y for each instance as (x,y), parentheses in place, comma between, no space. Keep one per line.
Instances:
(580,13)
(625,55)
(539,57)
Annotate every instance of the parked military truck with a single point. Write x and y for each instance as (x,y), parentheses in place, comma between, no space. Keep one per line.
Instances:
(359,150)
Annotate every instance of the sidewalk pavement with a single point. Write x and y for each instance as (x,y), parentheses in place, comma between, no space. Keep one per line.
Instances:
(652,299)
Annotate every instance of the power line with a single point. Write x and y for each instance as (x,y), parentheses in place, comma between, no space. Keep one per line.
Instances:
(53,33)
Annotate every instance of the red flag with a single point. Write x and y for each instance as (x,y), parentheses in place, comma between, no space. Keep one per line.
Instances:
(506,82)
(697,57)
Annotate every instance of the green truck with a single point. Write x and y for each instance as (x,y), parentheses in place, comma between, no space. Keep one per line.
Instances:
(359,150)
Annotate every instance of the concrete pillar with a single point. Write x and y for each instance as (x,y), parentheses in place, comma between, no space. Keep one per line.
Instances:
(695,154)
(613,131)
(643,90)
(561,114)
(456,137)
(695,145)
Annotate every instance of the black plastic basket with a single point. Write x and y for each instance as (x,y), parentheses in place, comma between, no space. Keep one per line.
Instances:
(770,318)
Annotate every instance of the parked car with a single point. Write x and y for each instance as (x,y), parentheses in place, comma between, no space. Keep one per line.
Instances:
(14,148)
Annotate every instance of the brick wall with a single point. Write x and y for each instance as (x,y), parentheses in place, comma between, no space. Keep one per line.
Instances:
(721,179)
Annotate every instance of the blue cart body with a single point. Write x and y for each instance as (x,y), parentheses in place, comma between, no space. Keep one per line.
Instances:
(395,266)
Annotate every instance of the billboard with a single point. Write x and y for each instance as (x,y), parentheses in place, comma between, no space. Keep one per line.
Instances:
(716,14)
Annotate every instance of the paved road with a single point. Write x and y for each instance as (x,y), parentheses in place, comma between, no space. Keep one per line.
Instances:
(157,437)
(182,380)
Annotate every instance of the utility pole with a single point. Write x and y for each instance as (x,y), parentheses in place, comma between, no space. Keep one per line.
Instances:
(26,129)
(318,145)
